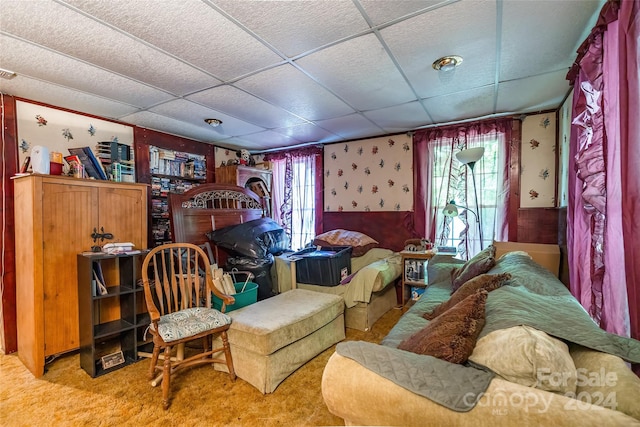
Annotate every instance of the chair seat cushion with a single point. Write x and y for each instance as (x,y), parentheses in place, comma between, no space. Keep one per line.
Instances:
(190,322)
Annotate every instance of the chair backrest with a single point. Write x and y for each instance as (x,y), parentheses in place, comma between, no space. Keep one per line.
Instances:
(177,276)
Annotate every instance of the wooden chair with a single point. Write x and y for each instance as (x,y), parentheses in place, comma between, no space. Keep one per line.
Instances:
(178,287)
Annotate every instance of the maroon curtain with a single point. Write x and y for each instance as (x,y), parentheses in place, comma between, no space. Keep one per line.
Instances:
(604,189)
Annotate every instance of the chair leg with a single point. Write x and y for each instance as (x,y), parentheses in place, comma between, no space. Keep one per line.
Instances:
(166,377)
(227,355)
(154,362)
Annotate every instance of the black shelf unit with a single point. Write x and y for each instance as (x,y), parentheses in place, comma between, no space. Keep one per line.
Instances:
(113,322)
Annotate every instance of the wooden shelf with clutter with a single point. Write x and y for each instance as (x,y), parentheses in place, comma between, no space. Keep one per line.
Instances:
(255,178)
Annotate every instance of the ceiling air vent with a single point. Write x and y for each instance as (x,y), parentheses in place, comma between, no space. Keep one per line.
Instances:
(6,74)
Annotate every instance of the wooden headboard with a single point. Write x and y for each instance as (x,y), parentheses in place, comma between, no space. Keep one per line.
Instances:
(210,207)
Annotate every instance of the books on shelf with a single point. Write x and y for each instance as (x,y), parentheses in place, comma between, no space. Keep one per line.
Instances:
(92,166)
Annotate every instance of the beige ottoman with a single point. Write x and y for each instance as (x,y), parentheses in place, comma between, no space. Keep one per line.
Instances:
(272,338)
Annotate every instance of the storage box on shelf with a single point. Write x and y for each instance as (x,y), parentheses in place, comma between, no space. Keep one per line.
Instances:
(112,322)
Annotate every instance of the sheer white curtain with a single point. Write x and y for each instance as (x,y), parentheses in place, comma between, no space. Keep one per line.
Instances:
(293,193)
(442,178)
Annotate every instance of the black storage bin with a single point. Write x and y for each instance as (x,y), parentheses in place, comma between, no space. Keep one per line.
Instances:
(324,267)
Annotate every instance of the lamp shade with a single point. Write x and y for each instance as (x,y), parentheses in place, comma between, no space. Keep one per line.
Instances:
(450,210)
(470,155)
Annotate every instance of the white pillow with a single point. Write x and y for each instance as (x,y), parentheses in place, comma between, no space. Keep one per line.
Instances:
(527,356)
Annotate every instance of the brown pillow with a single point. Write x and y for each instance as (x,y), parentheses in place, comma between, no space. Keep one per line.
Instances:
(489,282)
(451,336)
(360,242)
(482,262)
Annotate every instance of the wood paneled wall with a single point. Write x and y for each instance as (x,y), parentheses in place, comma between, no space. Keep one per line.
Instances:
(9,334)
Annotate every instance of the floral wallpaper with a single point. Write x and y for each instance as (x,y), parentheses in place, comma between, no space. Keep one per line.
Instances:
(537,161)
(369,175)
(59,130)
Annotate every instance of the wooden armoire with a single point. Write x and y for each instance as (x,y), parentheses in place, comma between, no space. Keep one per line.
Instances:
(55,217)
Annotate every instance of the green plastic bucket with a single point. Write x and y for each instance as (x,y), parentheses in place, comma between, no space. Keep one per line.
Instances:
(243,299)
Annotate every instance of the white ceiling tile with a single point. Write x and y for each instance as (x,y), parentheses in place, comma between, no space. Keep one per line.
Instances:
(308,24)
(292,90)
(381,11)
(181,109)
(308,131)
(162,123)
(475,42)
(535,93)
(235,102)
(82,38)
(400,118)
(361,72)
(351,127)
(461,105)
(172,27)
(27,59)
(263,141)
(59,96)
(549,35)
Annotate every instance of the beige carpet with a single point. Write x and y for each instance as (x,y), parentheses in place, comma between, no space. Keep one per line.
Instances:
(67,396)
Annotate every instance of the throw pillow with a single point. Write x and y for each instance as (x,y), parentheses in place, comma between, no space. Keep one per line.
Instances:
(453,335)
(482,262)
(360,242)
(528,356)
(489,282)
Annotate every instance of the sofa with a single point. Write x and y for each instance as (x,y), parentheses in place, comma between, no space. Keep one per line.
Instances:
(519,352)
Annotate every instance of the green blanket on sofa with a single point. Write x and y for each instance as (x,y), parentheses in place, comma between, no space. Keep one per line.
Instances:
(534,297)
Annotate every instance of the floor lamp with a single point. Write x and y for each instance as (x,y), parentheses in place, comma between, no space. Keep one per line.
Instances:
(469,157)
(451,210)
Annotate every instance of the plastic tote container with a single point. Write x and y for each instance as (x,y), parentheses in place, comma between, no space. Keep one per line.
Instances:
(243,299)
(325,267)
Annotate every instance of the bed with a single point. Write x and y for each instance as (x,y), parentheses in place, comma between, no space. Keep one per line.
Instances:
(369,293)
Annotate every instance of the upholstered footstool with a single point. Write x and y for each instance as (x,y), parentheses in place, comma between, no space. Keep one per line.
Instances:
(273,337)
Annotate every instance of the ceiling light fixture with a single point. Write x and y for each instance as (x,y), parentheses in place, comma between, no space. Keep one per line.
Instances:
(6,74)
(447,63)
(213,122)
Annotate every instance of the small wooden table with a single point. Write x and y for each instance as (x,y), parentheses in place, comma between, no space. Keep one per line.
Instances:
(413,270)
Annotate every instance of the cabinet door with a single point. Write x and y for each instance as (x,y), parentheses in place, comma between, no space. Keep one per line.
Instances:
(68,216)
(123,212)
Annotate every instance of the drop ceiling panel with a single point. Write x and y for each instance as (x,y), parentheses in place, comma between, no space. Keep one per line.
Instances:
(551,40)
(171,26)
(263,140)
(462,105)
(82,38)
(361,72)
(29,60)
(475,42)
(292,90)
(187,111)
(381,12)
(399,118)
(534,93)
(161,123)
(351,127)
(309,24)
(235,102)
(53,94)
(308,131)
